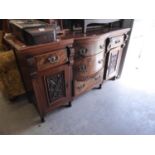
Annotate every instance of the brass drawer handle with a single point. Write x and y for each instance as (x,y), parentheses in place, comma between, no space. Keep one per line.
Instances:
(117,41)
(81,86)
(53,59)
(82,51)
(100,61)
(123,45)
(101,46)
(98,77)
(83,68)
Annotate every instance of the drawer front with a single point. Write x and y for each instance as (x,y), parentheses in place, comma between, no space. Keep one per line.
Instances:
(83,86)
(89,48)
(51,59)
(115,42)
(88,67)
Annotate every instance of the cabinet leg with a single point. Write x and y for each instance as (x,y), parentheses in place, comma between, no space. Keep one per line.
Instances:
(42,119)
(29,97)
(115,78)
(69,104)
(100,86)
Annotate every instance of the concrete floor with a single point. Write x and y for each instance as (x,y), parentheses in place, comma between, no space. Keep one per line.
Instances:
(115,109)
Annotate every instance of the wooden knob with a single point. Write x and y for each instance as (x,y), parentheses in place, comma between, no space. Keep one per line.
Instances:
(100,61)
(81,86)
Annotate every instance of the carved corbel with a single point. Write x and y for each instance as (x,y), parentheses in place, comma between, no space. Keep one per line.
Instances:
(32,67)
(126,36)
(71,52)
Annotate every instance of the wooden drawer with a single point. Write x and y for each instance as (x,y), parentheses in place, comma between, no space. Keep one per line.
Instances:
(115,42)
(88,67)
(51,59)
(88,47)
(83,86)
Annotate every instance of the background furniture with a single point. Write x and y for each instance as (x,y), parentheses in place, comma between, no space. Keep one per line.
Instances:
(87,22)
(9,74)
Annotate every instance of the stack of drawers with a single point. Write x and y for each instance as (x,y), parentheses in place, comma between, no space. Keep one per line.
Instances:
(88,64)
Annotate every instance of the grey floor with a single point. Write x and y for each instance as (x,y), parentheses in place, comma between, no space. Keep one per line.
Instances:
(115,109)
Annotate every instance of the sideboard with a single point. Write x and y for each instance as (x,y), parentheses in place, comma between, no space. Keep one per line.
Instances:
(55,73)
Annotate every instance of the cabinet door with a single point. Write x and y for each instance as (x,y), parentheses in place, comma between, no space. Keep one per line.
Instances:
(114,58)
(52,88)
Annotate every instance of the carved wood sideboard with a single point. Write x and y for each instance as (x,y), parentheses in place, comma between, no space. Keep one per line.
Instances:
(55,73)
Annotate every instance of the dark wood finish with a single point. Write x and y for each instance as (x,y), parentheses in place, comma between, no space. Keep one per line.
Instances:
(51,59)
(126,23)
(59,71)
(81,87)
(32,32)
(88,67)
(88,47)
(54,86)
(87,22)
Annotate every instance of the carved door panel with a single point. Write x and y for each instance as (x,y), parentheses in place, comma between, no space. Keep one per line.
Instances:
(54,87)
(114,58)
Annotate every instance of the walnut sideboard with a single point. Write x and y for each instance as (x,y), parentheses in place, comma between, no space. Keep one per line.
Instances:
(55,73)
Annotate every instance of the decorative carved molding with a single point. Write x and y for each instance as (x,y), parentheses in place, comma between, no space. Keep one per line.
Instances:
(32,67)
(71,53)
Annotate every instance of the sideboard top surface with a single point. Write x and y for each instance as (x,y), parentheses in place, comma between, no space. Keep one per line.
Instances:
(62,41)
